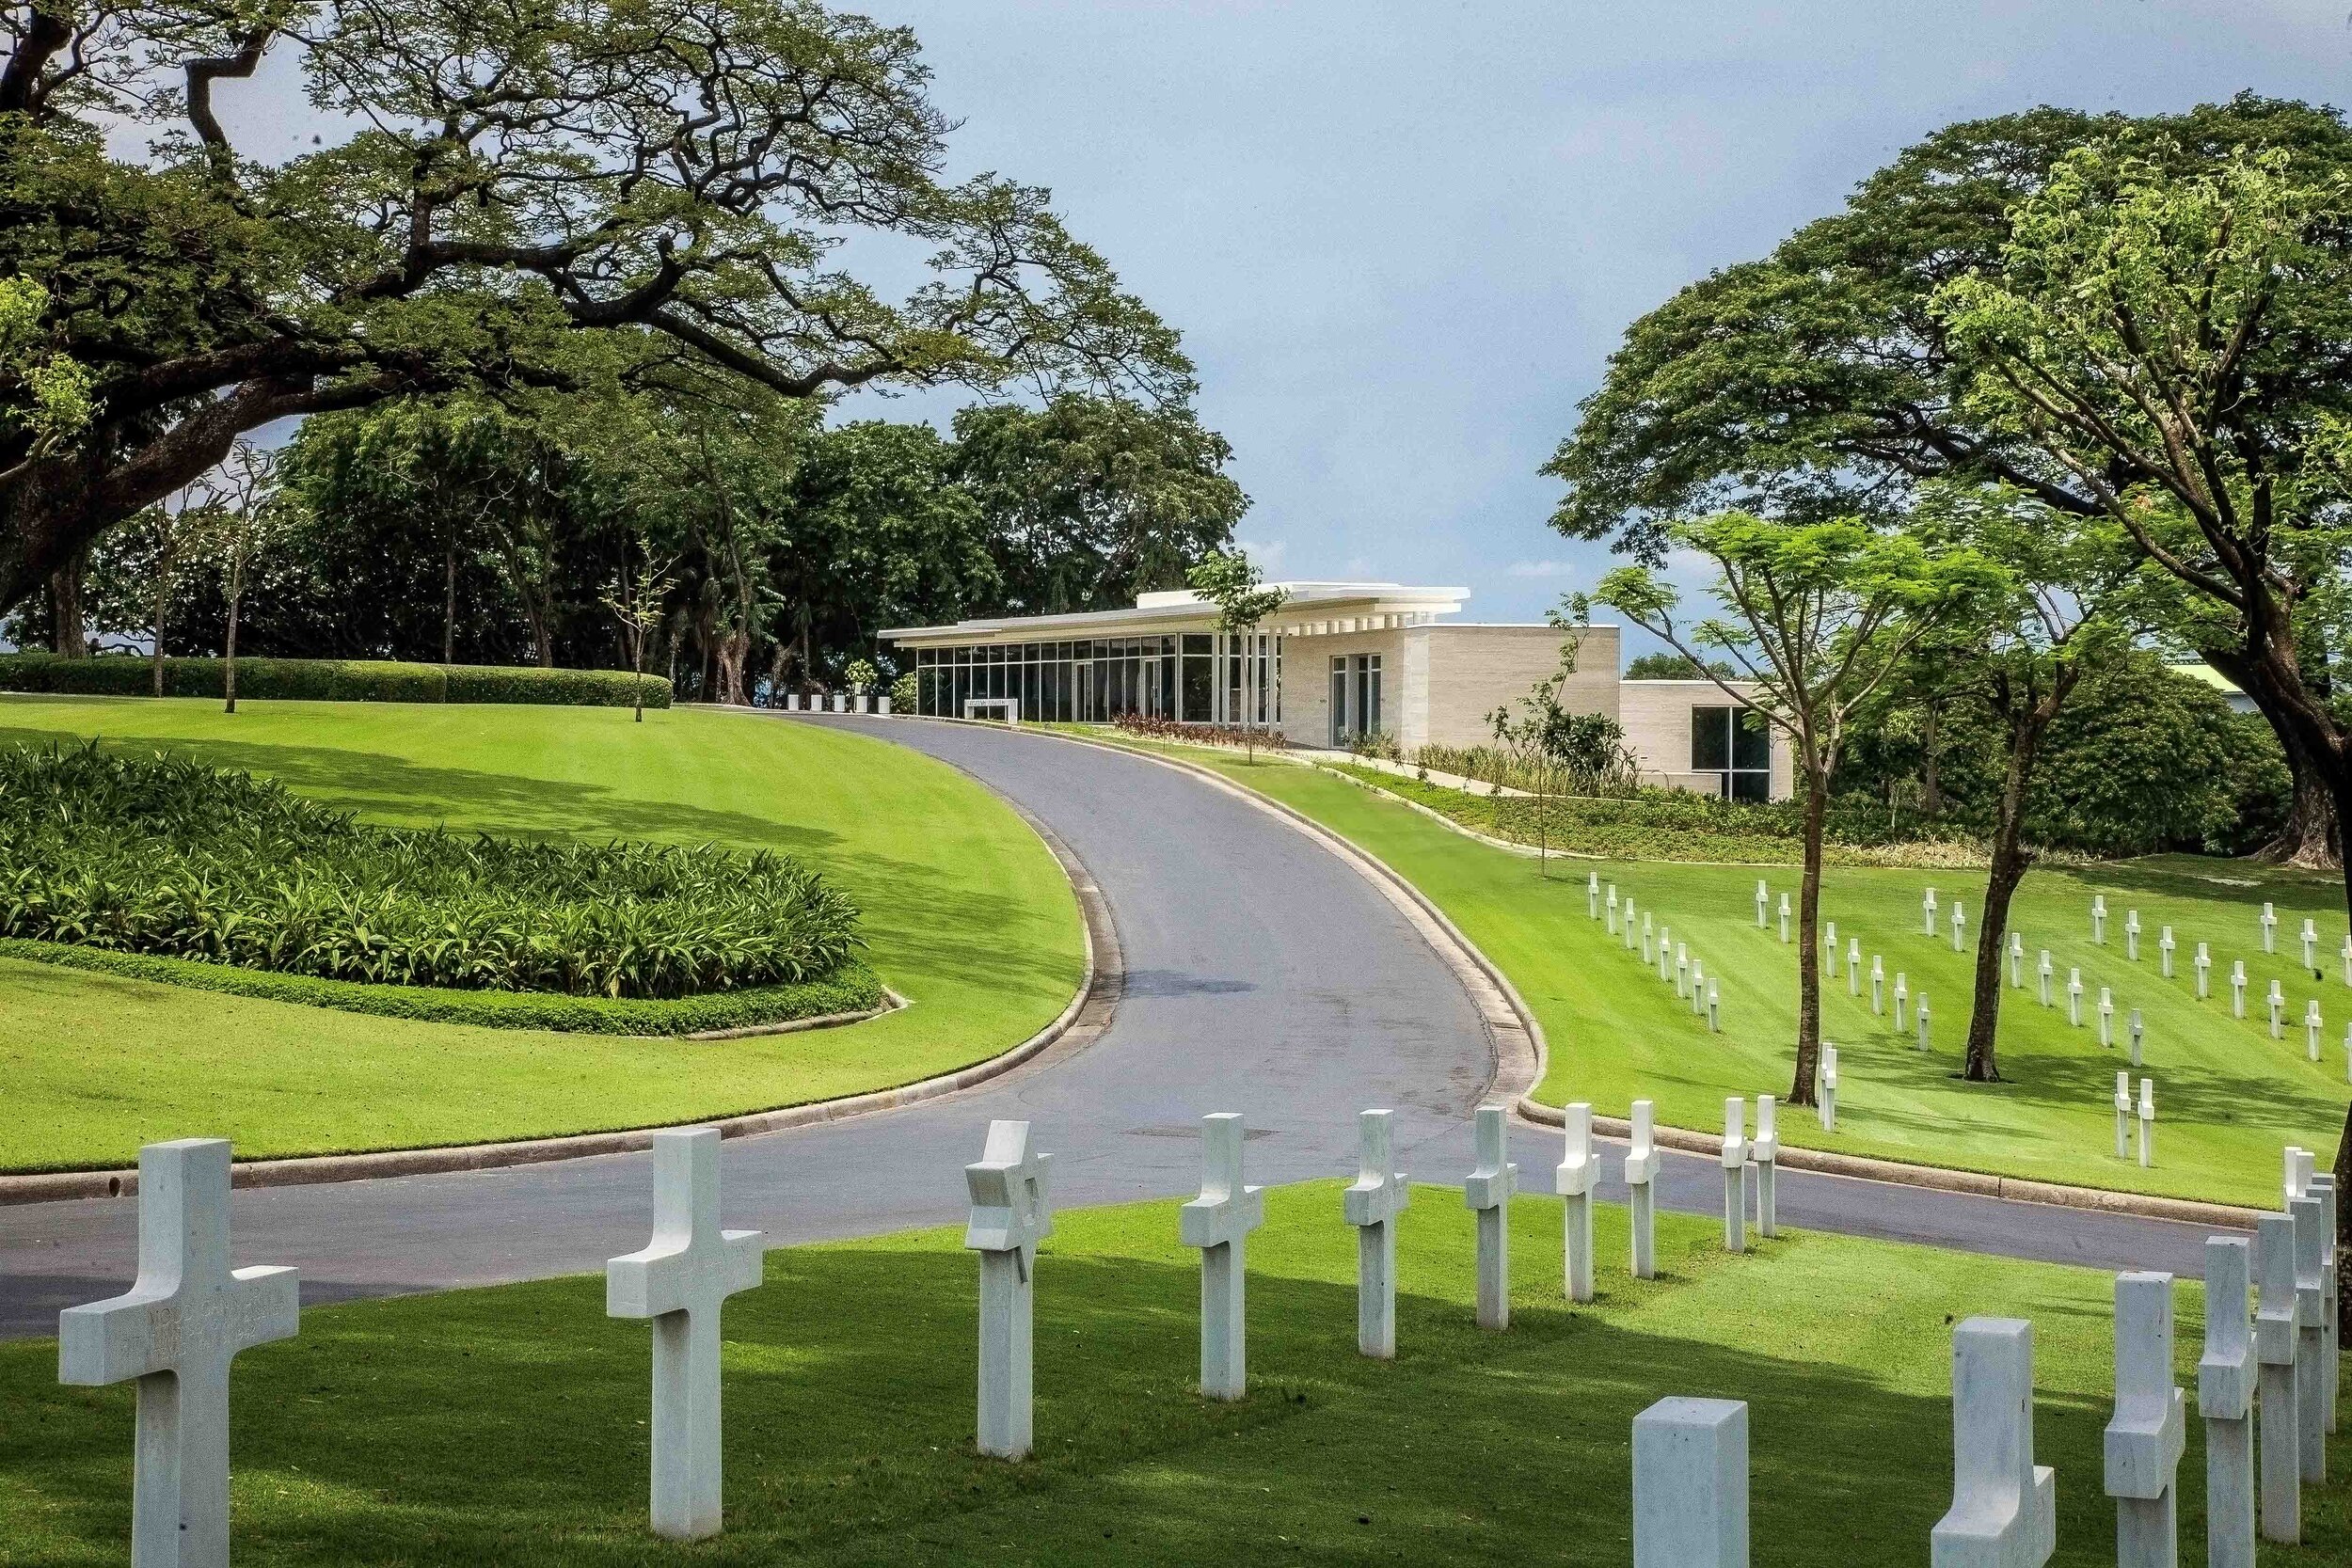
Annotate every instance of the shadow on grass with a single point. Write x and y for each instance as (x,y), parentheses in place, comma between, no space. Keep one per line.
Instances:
(509,1427)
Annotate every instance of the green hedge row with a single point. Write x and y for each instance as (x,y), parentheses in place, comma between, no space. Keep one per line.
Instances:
(329,680)
(851,987)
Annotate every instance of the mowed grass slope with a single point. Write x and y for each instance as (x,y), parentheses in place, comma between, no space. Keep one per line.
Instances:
(965,912)
(507,1426)
(2227,1097)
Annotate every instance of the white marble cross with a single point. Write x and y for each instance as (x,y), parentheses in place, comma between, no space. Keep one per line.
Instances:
(1878,984)
(2075,997)
(1828,1093)
(1627,932)
(1682,970)
(2311,1245)
(1698,987)
(1648,938)
(1665,951)
(2003,1511)
(1592,895)
(1927,912)
(1613,908)
(2099,919)
(177,1328)
(2106,1016)
(2163,951)
(1763,901)
(2016,962)
(2323,1187)
(1573,1180)
(2225,1399)
(1488,1194)
(2044,970)
(1690,1484)
(1714,1009)
(2311,1029)
(2237,987)
(2135,1030)
(1853,966)
(1372,1203)
(2277,1347)
(2131,935)
(1011,1215)
(2347,955)
(1960,922)
(1829,948)
(1923,1020)
(2148,1430)
(680,1280)
(1902,998)
(2122,1116)
(1764,1154)
(2147,1123)
(1218,1221)
(1640,1170)
(2270,930)
(2276,1004)
(2204,972)
(1783,918)
(1735,1163)
(2311,946)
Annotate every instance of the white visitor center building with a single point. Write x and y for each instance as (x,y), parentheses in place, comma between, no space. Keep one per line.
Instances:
(1338,662)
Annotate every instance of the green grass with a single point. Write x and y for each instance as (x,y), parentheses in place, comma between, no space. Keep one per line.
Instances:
(507,1426)
(95,1065)
(2227,1097)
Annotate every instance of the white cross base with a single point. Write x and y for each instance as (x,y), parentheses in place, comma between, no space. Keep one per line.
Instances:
(2150,1429)
(2277,1324)
(1641,1196)
(1218,1221)
(175,1330)
(1573,1180)
(680,1280)
(1009,1217)
(2225,1398)
(1372,1204)
(2003,1511)
(1690,1484)
(1488,1194)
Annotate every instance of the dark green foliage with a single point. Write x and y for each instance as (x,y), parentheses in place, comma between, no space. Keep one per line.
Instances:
(329,680)
(167,857)
(1674,667)
(851,988)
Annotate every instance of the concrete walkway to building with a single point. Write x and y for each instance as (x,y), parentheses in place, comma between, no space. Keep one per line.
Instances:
(1263,976)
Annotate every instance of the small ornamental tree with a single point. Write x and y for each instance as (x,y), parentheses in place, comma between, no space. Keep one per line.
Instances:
(248,514)
(1230,580)
(862,675)
(636,601)
(1815,616)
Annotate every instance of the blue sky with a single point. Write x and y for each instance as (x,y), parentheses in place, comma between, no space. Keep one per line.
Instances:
(1402,239)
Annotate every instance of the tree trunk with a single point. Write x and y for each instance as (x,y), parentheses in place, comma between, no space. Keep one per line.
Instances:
(2312,838)
(67,636)
(1930,774)
(162,602)
(2009,861)
(1809,942)
(236,597)
(734,649)
(449,604)
(637,665)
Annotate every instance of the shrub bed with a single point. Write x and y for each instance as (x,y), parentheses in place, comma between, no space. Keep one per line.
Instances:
(164,857)
(329,680)
(1266,738)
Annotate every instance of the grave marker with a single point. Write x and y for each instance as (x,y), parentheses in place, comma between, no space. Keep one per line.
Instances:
(2237,987)
(1960,920)
(2311,1243)
(2276,1002)
(2311,1029)
(1613,908)
(1641,1169)
(2225,1400)
(1878,984)
(2131,935)
(2107,1018)
(1573,1180)
(1829,948)
(1927,913)
(681,1281)
(1666,953)
(2122,1116)
(1784,919)
(2044,970)
(183,1319)
(1853,966)
(2310,943)
(1714,1010)
(2278,1323)
(2323,1187)
(2147,1123)
(1690,1484)
(2270,928)
(1630,938)
(1763,898)
(1698,986)
(1902,998)
(1372,1203)
(2135,1035)
(2148,1430)
(1488,1194)
(1592,895)
(2204,972)
(1828,1090)
(2003,1511)
(1218,1221)
(2075,997)
(1764,1153)
(1648,938)
(1682,970)
(2346,956)
(1923,1020)
(2164,952)
(2016,962)
(1735,1163)
(1009,1217)
(2099,919)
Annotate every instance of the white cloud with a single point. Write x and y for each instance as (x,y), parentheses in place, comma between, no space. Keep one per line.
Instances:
(1270,555)
(1541,569)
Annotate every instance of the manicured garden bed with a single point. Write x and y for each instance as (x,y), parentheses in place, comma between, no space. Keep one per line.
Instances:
(98,1063)
(331,680)
(848,1405)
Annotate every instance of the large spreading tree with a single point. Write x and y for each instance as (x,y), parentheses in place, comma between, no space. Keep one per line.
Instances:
(501,196)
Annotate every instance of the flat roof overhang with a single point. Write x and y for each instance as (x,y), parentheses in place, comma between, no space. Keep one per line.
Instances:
(1312,609)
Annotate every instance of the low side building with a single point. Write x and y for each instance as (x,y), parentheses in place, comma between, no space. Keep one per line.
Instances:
(1339,661)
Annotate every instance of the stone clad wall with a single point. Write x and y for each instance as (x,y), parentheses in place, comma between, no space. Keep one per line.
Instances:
(1306,683)
(1472,671)
(1657,719)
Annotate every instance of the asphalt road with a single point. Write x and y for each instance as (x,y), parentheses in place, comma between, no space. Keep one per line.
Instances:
(1263,976)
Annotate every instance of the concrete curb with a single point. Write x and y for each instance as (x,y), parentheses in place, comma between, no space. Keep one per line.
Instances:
(1087,1015)
(1857,1167)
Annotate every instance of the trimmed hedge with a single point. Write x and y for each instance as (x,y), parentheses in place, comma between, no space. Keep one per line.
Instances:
(851,987)
(329,680)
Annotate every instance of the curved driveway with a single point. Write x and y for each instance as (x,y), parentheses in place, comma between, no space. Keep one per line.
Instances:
(1263,976)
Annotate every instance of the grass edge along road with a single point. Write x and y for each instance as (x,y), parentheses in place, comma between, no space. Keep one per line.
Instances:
(362,1441)
(2227,1097)
(97,1065)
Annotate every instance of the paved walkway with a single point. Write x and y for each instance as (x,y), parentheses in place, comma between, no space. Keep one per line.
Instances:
(1263,976)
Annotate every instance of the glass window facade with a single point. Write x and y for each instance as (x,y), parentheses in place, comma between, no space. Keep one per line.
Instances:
(1355,696)
(1736,745)
(1196,678)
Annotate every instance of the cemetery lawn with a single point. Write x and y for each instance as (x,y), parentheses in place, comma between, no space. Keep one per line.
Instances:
(507,1426)
(94,1065)
(2227,1097)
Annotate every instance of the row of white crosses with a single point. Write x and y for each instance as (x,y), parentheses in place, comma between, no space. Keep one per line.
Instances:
(1658,947)
(2315,1022)
(1960,920)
